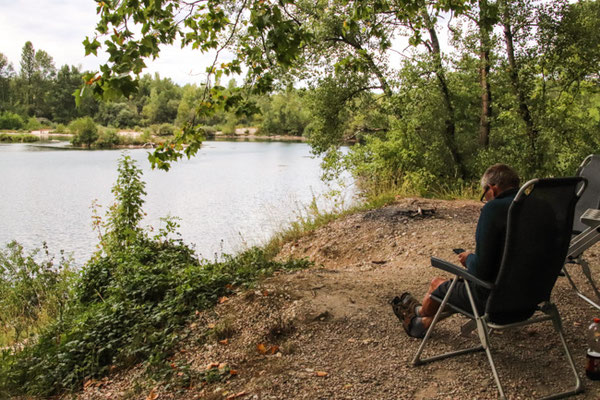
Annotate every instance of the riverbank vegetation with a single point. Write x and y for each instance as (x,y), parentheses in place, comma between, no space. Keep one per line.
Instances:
(126,306)
(18,138)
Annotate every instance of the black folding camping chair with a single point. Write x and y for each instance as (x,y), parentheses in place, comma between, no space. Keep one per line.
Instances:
(539,225)
(586,226)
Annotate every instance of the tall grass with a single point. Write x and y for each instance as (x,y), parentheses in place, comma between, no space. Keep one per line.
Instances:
(34,291)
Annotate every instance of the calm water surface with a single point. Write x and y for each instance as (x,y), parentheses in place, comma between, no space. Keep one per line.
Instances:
(231,195)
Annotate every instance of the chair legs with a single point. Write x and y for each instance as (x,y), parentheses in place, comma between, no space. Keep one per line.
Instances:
(552,311)
(585,268)
(483,331)
(417,360)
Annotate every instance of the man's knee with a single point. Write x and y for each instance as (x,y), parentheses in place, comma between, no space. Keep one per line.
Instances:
(435,282)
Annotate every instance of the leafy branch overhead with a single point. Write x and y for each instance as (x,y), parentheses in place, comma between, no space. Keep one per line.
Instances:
(269,40)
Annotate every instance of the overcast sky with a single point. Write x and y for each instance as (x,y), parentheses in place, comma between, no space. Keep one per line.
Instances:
(59,26)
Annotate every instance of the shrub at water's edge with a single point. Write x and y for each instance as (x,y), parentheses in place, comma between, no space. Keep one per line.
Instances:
(130,302)
(18,138)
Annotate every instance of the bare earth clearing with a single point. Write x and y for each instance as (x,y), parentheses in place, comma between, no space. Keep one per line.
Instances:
(329,332)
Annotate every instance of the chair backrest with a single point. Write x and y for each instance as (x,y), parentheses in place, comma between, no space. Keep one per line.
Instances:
(538,232)
(589,169)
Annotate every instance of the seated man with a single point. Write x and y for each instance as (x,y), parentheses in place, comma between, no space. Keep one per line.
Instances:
(500,184)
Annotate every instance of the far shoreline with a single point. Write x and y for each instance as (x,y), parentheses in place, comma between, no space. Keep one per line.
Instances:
(240,135)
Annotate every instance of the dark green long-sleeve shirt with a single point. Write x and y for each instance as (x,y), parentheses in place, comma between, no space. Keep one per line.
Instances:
(490,237)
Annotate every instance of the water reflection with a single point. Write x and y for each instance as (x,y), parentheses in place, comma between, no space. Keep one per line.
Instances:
(230,195)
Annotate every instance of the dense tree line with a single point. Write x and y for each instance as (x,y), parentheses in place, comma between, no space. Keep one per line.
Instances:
(38,91)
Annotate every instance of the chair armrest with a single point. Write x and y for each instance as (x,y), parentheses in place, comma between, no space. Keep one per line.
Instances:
(460,271)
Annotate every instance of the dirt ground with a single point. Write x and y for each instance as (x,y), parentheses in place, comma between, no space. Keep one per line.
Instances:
(329,332)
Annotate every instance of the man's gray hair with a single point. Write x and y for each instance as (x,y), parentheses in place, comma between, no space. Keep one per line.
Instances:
(502,176)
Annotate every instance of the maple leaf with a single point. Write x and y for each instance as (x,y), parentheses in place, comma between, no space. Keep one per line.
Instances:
(261,348)
(224,341)
(223,299)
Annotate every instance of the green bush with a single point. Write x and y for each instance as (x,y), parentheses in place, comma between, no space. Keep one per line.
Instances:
(84,130)
(33,124)
(108,138)
(10,120)
(166,130)
(208,130)
(132,299)
(228,128)
(60,128)
(32,291)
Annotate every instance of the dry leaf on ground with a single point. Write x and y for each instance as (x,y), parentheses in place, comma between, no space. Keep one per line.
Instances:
(321,373)
(88,383)
(212,365)
(236,396)
(152,395)
(261,348)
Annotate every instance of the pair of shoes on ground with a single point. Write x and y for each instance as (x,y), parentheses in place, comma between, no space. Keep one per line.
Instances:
(405,308)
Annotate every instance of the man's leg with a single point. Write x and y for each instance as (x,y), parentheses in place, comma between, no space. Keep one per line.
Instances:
(429,306)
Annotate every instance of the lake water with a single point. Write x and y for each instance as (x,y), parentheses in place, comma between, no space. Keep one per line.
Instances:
(230,196)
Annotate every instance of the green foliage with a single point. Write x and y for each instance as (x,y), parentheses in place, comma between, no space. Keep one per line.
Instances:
(33,291)
(285,114)
(9,120)
(570,34)
(107,138)
(166,130)
(60,128)
(84,130)
(126,213)
(130,303)
(228,128)
(121,115)
(208,130)
(33,124)
(18,138)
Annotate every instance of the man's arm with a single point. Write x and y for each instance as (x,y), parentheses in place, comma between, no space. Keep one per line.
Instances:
(489,238)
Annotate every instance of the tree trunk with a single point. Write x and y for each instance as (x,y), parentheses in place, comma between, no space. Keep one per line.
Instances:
(518,90)
(484,72)
(450,122)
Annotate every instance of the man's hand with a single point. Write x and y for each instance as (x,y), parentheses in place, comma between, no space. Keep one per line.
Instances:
(462,257)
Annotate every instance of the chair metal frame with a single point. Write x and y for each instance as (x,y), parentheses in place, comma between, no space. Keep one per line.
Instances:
(484,323)
(584,240)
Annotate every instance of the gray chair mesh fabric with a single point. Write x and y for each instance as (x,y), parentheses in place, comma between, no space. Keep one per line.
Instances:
(591,197)
(537,239)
